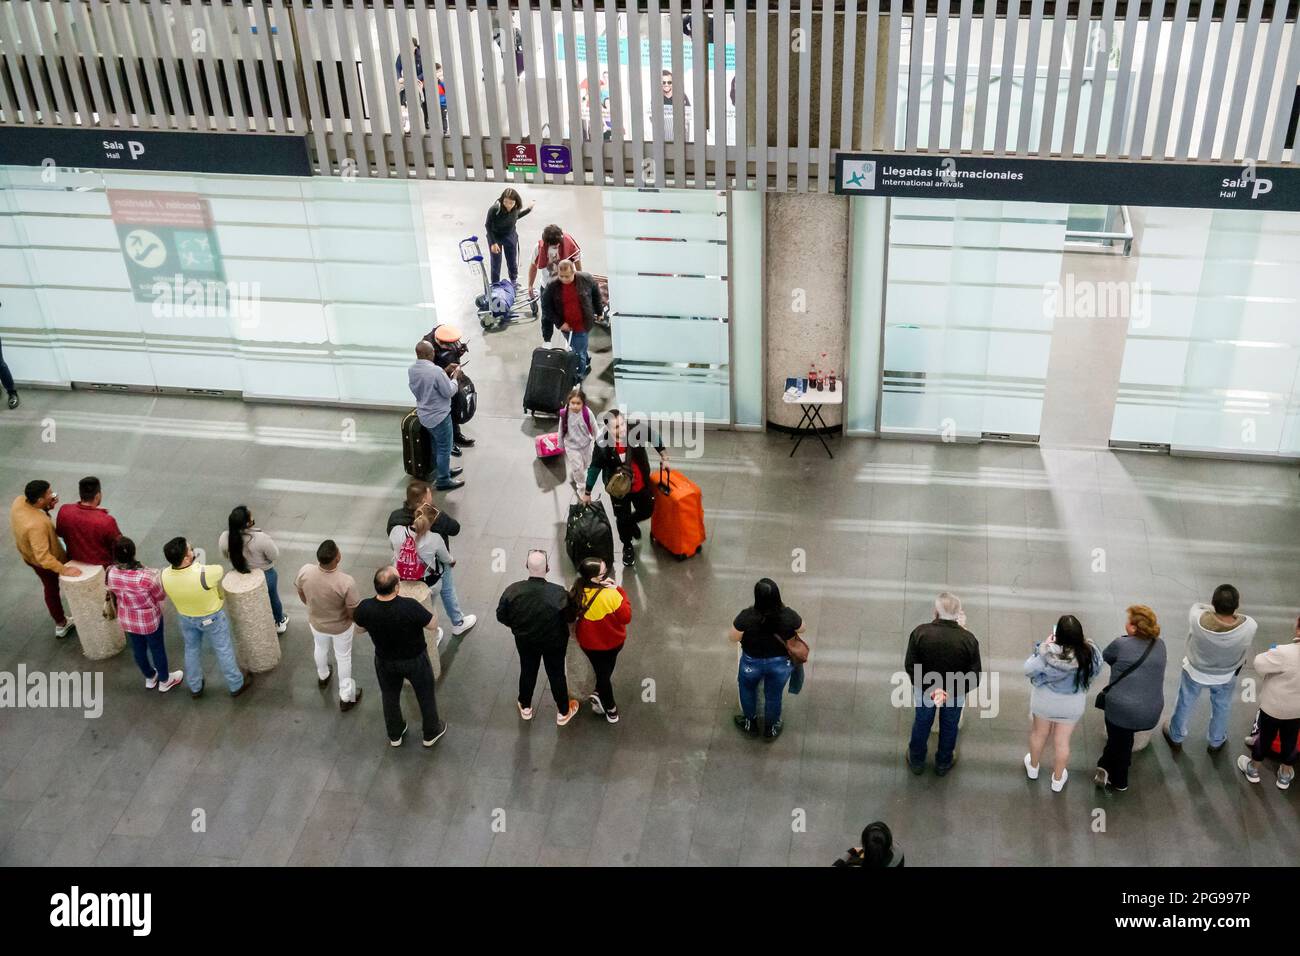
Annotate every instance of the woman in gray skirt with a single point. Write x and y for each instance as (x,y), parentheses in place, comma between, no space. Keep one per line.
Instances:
(1059,671)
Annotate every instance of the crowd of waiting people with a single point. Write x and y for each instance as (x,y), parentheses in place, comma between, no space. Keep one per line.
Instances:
(942,659)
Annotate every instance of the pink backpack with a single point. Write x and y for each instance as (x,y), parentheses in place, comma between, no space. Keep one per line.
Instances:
(410,566)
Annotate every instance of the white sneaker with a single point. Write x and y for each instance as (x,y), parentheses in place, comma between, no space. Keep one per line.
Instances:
(469,621)
(525,712)
(562,719)
(151,683)
(595,704)
(438,641)
(1059,785)
(174,678)
(282,626)
(65,629)
(1030,769)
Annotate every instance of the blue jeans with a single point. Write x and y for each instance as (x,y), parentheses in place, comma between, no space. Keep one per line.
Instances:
(449,599)
(578,342)
(509,247)
(216,628)
(1189,692)
(142,645)
(441,436)
(949,714)
(773,672)
(272,587)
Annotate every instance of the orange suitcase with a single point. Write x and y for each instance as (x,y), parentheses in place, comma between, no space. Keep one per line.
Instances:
(678,519)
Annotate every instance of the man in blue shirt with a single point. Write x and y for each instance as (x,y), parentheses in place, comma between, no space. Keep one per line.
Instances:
(433,388)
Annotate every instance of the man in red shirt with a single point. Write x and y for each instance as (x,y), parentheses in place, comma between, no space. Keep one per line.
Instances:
(87,529)
(554,247)
(571,304)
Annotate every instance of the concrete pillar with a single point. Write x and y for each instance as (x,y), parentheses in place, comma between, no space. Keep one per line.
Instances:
(806,307)
(419,591)
(100,639)
(248,605)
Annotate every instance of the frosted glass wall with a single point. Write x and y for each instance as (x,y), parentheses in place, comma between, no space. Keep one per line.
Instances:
(667,254)
(328,279)
(967,334)
(1213,362)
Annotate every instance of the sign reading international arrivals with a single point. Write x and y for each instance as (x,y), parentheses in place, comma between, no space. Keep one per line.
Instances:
(1247,186)
(521,157)
(167,242)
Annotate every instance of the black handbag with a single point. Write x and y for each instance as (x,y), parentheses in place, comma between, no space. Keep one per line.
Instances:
(1100,702)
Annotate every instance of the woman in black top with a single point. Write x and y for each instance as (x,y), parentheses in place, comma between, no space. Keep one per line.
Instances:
(762,631)
(501,233)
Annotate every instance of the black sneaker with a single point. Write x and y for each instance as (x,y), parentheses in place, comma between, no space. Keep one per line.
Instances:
(13,400)
(442,729)
(451,485)
(943,771)
(1174,745)
(464,441)
(629,556)
(456,472)
(636,531)
(196,694)
(771,733)
(746,724)
(401,737)
(248,682)
(916,768)
(455,451)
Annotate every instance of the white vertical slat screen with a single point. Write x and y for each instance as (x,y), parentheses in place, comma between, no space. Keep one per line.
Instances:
(1084,78)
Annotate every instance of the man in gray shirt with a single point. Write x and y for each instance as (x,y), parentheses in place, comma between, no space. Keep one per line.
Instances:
(433,388)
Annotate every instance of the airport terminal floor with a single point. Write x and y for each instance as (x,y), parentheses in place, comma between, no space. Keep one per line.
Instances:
(860,545)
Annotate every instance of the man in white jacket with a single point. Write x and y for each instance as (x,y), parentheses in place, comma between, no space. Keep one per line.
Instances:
(1279,710)
(1218,640)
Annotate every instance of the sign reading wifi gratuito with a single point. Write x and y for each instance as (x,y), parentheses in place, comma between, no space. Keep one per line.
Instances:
(1248,185)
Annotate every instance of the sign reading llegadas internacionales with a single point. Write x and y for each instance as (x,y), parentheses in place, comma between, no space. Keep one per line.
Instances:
(1247,186)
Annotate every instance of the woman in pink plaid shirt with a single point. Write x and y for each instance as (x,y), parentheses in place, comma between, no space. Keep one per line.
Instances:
(138,593)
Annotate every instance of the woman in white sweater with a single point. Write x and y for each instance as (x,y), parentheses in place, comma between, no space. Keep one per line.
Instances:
(1279,710)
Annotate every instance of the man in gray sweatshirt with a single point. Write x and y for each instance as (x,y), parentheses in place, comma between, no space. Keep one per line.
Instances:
(1218,640)
(433,388)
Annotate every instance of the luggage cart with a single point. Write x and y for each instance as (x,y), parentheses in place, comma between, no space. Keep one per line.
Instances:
(524,305)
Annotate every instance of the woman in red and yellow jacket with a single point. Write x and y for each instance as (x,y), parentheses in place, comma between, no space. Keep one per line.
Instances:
(603,612)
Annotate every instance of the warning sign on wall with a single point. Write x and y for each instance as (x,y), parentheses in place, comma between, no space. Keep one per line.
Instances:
(167,238)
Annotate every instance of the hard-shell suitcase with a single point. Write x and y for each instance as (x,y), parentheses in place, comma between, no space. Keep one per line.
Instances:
(417,450)
(587,534)
(677,522)
(550,377)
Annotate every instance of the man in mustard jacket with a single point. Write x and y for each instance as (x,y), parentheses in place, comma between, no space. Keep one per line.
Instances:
(39,546)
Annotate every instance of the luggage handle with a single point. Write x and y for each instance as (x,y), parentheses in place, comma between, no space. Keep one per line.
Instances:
(665,484)
(472,243)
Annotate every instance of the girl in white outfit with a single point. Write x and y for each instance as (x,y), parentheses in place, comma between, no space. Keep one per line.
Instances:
(578,436)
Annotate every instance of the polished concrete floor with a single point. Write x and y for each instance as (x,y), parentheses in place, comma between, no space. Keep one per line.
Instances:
(283,778)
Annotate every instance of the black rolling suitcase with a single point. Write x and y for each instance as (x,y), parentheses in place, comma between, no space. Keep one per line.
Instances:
(587,534)
(417,450)
(550,377)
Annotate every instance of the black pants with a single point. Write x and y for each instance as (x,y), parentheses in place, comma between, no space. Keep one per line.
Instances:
(6,379)
(1117,754)
(1270,727)
(391,674)
(602,662)
(531,657)
(630,510)
(510,250)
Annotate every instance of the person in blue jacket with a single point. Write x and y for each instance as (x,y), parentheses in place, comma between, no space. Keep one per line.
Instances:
(1059,672)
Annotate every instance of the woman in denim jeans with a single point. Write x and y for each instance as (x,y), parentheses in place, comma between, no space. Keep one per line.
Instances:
(138,596)
(249,549)
(762,631)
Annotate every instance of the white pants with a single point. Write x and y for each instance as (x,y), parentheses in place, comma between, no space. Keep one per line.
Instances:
(342,657)
(579,460)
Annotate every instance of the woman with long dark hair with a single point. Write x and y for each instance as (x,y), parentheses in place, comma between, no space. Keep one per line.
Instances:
(502,236)
(249,549)
(138,596)
(603,613)
(762,631)
(1059,672)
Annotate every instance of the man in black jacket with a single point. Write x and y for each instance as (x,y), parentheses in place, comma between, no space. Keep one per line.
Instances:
(943,664)
(572,305)
(419,494)
(616,450)
(537,612)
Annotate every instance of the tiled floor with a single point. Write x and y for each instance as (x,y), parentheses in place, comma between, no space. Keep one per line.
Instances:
(282,777)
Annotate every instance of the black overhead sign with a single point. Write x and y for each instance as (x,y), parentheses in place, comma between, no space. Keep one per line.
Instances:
(252,154)
(1244,186)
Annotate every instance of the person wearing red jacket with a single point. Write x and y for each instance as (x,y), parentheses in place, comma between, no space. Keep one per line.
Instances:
(88,530)
(603,613)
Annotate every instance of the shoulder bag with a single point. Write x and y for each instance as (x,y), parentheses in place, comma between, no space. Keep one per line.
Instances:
(1100,702)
